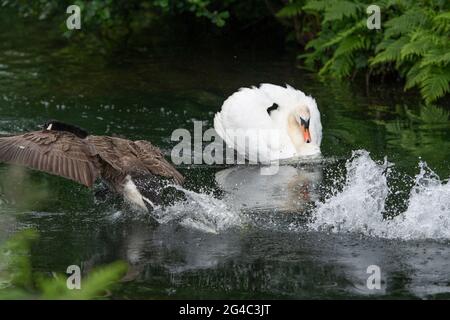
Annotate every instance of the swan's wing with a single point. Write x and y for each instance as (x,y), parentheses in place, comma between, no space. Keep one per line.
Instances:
(245,113)
(289,97)
(59,153)
(247,108)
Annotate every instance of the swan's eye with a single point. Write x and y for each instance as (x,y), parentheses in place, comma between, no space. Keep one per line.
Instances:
(304,122)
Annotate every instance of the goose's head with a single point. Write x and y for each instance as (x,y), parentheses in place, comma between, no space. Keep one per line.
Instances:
(55,125)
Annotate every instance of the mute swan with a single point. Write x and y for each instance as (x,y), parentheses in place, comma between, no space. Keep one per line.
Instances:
(282,123)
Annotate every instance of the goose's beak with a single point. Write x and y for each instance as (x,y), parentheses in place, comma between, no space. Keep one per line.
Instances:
(306,134)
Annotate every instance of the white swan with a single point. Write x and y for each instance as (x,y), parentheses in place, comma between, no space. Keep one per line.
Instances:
(278,123)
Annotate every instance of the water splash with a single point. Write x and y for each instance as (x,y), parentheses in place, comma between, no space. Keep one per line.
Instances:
(200,211)
(428,213)
(359,207)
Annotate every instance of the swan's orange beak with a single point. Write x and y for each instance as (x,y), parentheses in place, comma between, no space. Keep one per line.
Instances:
(306,134)
(304,124)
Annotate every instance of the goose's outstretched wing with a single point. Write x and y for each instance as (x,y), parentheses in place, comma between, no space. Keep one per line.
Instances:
(154,161)
(58,153)
(134,157)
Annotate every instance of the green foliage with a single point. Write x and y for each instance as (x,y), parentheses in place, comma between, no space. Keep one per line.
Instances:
(97,284)
(418,131)
(17,280)
(413,41)
(15,267)
(291,9)
(107,14)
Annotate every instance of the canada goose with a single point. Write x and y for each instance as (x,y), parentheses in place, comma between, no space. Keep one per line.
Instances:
(129,168)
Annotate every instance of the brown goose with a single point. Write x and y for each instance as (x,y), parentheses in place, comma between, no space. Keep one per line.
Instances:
(130,168)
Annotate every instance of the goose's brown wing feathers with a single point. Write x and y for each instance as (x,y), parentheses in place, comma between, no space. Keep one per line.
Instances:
(134,157)
(154,161)
(111,150)
(58,153)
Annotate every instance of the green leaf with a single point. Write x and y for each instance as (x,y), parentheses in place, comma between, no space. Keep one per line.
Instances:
(389,51)
(339,9)
(291,10)
(435,85)
(97,282)
(316,5)
(436,56)
(405,23)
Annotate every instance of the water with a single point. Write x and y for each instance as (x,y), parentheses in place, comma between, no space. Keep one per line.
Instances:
(360,206)
(379,195)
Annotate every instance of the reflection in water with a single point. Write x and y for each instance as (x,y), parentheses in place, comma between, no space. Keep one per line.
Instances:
(423,133)
(170,260)
(289,190)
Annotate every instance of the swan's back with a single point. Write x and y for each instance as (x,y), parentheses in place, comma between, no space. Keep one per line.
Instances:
(245,113)
(247,109)
(290,97)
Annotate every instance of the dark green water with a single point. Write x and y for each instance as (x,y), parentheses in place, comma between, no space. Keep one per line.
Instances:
(271,252)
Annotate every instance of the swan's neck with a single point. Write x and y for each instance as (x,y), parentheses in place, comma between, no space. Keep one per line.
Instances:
(294,133)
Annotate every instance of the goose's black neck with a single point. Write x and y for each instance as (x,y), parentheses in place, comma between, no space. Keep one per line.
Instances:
(56,125)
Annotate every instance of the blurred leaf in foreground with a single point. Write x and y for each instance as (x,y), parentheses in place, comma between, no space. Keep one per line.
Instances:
(17,281)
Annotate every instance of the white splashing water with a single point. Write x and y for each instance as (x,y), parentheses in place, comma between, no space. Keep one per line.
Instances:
(360,205)
(200,211)
(428,213)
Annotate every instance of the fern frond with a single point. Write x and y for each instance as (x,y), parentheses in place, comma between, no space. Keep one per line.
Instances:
(291,9)
(420,43)
(435,85)
(405,23)
(316,5)
(442,22)
(351,44)
(339,9)
(438,56)
(338,67)
(442,16)
(389,51)
(344,34)
(415,76)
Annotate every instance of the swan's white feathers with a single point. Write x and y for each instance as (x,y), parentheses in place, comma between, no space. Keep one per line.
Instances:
(246,109)
(290,98)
